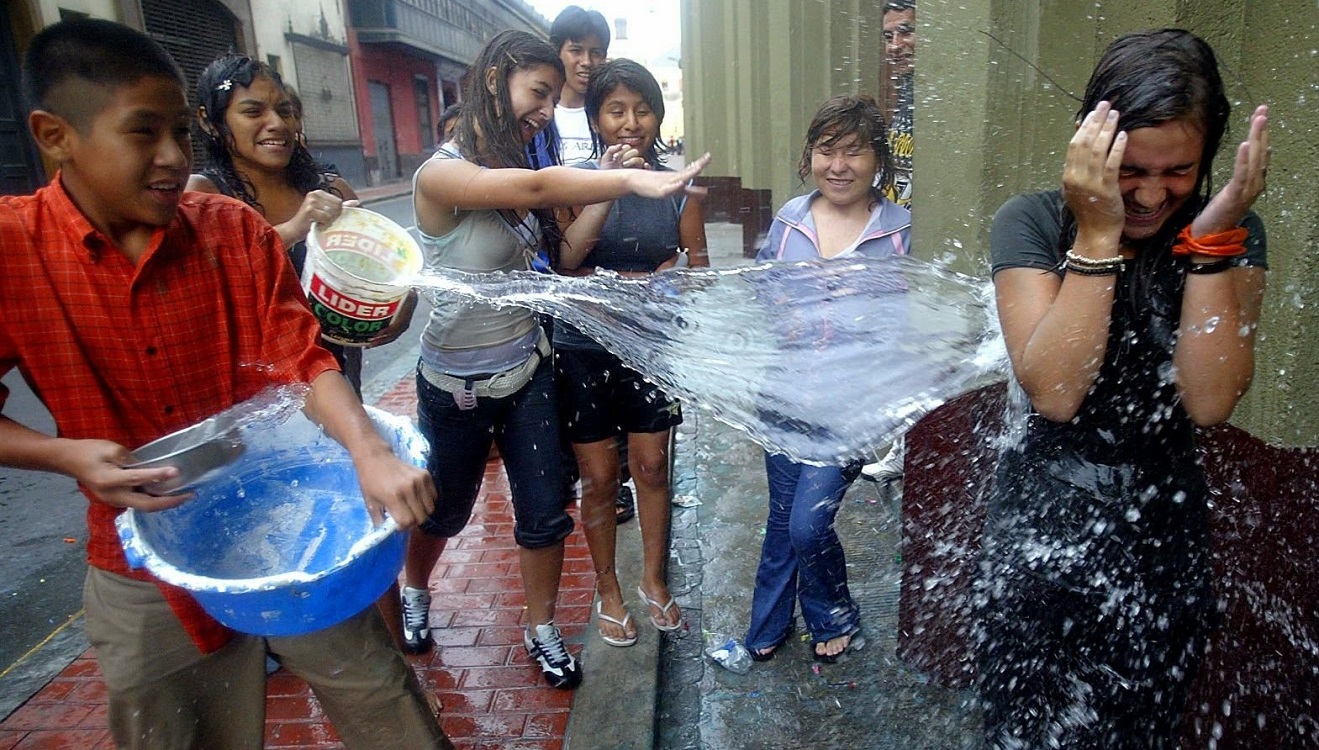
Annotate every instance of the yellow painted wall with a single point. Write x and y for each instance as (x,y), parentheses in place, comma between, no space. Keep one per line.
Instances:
(754,72)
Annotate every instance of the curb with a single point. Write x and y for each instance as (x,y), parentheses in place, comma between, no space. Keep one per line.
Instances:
(614,709)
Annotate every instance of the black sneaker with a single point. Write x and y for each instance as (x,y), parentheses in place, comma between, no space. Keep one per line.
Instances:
(416,620)
(561,670)
(624,506)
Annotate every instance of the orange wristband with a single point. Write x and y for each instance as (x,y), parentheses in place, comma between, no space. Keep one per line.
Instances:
(1227,244)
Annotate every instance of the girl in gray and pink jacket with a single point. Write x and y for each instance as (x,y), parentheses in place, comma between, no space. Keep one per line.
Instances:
(846,154)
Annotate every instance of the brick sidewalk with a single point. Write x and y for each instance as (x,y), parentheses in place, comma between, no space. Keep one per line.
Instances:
(493,694)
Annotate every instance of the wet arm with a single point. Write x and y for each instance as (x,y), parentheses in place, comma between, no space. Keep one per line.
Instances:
(95,464)
(1056,333)
(579,238)
(445,186)
(691,231)
(1056,330)
(1215,354)
(388,483)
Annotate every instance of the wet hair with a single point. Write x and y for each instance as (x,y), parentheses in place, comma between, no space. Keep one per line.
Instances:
(897,6)
(102,52)
(1153,77)
(576,24)
(491,114)
(449,114)
(295,101)
(215,90)
(841,117)
(634,76)
(1150,78)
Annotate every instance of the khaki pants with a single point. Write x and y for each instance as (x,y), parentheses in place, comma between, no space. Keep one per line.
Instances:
(166,694)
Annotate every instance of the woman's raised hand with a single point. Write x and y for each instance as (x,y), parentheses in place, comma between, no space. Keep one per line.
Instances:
(620,155)
(649,184)
(319,207)
(1226,209)
(1090,175)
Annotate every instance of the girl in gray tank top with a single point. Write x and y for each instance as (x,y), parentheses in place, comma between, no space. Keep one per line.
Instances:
(480,380)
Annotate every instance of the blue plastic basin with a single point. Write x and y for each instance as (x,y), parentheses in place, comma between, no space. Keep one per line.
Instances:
(281,543)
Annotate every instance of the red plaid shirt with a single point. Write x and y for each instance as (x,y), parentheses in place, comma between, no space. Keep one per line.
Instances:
(211,314)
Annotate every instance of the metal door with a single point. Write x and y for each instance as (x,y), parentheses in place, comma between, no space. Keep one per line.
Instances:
(194,32)
(20,168)
(382,121)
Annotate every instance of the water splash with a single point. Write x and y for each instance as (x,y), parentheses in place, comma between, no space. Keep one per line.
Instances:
(269,408)
(824,361)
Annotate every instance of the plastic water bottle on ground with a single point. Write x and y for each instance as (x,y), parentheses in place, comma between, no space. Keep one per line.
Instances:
(727,652)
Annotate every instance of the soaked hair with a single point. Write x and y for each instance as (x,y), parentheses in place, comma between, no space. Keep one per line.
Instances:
(490,113)
(844,116)
(897,6)
(633,76)
(102,52)
(575,24)
(215,90)
(1153,77)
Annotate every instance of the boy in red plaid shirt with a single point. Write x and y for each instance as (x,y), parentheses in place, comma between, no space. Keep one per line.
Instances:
(133,310)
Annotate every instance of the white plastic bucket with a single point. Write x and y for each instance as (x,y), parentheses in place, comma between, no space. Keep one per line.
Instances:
(357,274)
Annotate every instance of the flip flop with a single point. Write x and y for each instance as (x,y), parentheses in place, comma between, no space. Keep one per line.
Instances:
(612,641)
(855,643)
(659,624)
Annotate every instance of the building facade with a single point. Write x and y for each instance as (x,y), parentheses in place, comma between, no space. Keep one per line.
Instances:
(373,75)
(409,58)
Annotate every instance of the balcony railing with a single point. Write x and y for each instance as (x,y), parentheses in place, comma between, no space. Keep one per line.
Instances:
(449,28)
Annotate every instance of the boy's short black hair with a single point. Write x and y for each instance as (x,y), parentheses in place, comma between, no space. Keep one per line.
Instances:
(98,51)
(575,24)
(899,5)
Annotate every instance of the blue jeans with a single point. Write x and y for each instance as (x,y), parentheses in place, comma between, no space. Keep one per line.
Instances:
(801,557)
(525,426)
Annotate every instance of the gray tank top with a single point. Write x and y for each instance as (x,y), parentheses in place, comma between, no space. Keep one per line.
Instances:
(463,337)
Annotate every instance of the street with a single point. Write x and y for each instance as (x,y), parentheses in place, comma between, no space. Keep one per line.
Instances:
(43,531)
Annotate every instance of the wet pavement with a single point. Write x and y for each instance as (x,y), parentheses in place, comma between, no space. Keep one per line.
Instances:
(868,700)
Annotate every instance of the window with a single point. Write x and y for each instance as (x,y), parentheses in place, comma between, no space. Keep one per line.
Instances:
(620,29)
(422,86)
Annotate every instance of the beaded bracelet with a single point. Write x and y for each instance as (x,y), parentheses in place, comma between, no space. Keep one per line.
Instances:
(1076,263)
(1227,244)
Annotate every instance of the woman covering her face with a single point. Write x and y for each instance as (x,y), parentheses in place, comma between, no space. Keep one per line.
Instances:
(1128,300)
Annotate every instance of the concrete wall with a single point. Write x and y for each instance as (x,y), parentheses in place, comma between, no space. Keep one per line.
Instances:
(50,9)
(312,18)
(756,71)
(1002,128)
